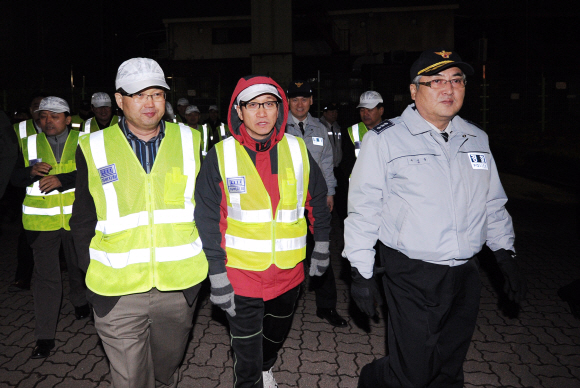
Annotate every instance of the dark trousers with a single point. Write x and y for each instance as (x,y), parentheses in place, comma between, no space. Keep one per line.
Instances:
(432,315)
(324,286)
(47,281)
(25,259)
(257,334)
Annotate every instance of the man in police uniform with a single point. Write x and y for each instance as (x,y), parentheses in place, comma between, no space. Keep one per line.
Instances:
(425,185)
(303,125)
(47,166)
(101,107)
(135,233)
(371,114)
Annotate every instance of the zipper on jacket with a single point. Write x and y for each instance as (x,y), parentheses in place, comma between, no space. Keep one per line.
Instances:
(151,230)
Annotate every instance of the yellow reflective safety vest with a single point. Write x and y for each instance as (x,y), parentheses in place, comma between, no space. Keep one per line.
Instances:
(76,122)
(91,124)
(48,211)
(356,133)
(24,129)
(254,238)
(145,234)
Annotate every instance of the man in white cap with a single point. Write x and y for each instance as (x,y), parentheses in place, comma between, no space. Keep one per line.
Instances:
(253,190)
(371,114)
(47,169)
(101,107)
(135,233)
(192,115)
(218,130)
(182,104)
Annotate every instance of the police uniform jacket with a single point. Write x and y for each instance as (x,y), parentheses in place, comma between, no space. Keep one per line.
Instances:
(433,201)
(316,139)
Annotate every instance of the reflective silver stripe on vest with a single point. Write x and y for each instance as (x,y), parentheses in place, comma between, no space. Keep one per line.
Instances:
(121,260)
(265,246)
(32,151)
(76,125)
(223,131)
(296,154)
(52,211)
(88,126)
(204,130)
(356,138)
(34,191)
(22,129)
(180,252)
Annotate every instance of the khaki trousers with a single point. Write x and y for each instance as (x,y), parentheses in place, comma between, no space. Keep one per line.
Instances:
(145,336)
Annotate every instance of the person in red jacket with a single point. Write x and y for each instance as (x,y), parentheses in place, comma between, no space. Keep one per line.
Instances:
(254,277)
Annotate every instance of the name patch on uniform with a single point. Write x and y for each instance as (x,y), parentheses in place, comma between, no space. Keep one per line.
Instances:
(236,185)
(478,161)
(108,174)
(317,141)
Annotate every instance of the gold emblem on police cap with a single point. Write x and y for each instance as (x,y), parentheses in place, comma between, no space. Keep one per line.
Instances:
(444,54)
(299,84)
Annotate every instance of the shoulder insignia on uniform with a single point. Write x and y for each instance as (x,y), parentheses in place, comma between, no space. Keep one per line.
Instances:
(383,125)
(473,123)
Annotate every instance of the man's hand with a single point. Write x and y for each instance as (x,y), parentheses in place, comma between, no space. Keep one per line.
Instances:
(365,293)
(222,293)
(320,259)
(40,169)
(49,183)
(330,202)
(514,281)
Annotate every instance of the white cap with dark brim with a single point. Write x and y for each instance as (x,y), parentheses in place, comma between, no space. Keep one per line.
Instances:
(370,99)
(53,104)
(182,101)
(137,74)
(100,99)
(191,109)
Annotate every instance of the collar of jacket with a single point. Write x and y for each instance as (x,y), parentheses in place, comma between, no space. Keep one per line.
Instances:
(416,124)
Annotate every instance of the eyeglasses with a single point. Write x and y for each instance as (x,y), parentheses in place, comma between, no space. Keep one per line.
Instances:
(254,106)
(142,97)
(440,83)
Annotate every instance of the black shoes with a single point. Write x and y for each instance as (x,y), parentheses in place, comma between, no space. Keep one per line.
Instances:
(331,316)
(42,348)
(82,312)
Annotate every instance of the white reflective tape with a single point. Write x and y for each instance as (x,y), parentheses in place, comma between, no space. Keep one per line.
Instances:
(34,191)
(22,129)
(231,168)
(36,211)
(67,209)
(123,223)
(290,215)
(177,253)
(246,244)
(188,170)
(296,154)
(97,141)
(170,216)
(355,132)
(32,151)
(289,244)
(204,128)
(87,128)
(223,131)
(76,125)
(264,215)
(121,260)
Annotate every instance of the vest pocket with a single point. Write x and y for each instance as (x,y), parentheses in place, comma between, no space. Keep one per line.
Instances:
(174,188)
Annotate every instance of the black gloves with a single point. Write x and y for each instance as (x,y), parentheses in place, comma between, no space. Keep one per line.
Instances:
(365,293)
(515,284)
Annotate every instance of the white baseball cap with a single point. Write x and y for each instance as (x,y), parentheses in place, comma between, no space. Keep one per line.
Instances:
(214,107)
(137,74)
(191,109)
(100,99)
(256,90)
(182,101)
(53,104)
(370,99)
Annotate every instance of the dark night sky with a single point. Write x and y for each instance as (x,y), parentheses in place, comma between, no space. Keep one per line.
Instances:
(40,43)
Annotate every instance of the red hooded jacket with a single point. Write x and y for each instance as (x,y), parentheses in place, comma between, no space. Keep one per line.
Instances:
(211,206)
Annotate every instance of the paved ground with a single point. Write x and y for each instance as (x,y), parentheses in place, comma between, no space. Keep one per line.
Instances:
(540,347)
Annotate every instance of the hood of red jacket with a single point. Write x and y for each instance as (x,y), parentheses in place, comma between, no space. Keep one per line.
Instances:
(236,125)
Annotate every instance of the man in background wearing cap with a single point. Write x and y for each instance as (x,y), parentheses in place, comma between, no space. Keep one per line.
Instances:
(425,186)
(101,107)
(302,124)
(85,113)
(135,233)
(182,104)
(47,168)
(371,114)
(218,131)
(192,115)
(251,196)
